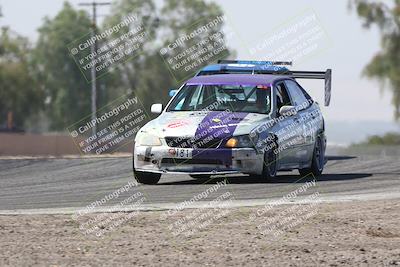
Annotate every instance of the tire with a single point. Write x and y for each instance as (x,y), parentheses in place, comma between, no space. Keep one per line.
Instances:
(200,176)
(144,177)
(147,177)
(317,161)
(270,165)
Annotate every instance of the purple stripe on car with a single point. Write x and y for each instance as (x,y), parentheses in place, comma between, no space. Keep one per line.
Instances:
(216,126)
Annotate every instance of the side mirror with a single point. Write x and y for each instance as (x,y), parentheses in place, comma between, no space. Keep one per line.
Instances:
(156,108)
(287,111)
(172,92)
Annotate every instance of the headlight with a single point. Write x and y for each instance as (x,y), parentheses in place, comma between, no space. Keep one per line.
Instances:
(148,140)
(239,141)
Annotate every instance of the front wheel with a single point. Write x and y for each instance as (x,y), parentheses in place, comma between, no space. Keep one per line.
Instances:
(317,161)
(146,177)
(270,165)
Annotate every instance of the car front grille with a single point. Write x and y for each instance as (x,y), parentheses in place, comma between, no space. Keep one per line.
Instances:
(189,142)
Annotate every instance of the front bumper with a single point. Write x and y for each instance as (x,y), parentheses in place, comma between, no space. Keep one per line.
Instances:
(160,159)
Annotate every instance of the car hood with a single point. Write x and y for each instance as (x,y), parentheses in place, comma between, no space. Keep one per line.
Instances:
(189,123)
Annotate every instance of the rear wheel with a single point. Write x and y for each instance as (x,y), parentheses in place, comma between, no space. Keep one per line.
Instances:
(317,161)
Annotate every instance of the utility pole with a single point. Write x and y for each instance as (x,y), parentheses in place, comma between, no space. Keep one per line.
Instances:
(93,48)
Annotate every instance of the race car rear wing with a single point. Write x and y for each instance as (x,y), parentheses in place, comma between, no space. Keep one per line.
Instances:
(325,75)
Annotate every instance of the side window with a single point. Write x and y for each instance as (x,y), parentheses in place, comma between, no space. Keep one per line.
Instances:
(282,96)
(197,98)
(184,99)
(296,94)
(306,94)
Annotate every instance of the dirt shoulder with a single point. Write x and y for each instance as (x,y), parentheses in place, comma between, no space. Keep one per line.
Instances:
(353,233)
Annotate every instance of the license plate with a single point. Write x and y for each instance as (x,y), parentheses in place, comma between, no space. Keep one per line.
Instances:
(183,153)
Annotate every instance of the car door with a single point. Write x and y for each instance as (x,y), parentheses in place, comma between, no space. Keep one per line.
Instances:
(302,104)
(289,129)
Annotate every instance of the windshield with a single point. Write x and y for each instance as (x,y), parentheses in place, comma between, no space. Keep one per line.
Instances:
(236,98)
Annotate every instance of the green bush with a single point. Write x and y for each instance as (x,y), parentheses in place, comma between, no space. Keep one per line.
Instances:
(387,139)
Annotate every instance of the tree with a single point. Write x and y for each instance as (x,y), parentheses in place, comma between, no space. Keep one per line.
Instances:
(387,139)
(19,95)
(385,65)
(187,18)
(131,74)
(67,91)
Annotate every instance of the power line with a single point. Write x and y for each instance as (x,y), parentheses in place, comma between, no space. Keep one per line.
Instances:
(93,48)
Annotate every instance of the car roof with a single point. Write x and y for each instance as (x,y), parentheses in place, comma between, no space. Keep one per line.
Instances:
(242,79)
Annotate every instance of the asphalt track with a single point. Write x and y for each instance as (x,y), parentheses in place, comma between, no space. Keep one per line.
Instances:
(29,184)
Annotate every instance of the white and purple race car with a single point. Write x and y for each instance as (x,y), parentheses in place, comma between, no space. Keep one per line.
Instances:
(223,122)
